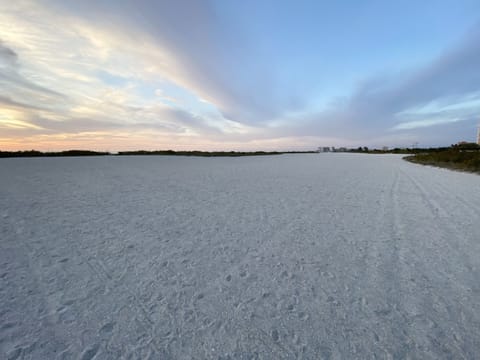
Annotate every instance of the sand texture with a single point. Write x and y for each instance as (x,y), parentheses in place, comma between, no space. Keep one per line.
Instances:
(316,256)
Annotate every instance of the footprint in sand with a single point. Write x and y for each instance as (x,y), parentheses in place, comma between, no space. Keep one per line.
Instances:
(107,328)
(90,352)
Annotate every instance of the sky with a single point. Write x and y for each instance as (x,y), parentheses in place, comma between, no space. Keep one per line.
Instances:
(115,75)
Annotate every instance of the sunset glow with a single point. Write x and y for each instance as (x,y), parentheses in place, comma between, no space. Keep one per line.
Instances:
(224,75)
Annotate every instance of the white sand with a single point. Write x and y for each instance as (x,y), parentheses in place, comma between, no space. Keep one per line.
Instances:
(276,257)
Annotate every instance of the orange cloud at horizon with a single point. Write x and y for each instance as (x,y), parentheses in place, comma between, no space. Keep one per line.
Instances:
(122,141)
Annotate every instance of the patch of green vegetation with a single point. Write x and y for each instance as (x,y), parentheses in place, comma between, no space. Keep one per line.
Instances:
(464,157)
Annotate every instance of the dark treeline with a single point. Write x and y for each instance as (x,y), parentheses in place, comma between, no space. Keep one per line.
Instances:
(465,157)
(209,153)
(35,153)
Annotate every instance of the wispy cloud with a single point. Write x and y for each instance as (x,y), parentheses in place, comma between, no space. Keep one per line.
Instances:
(83,62)
(13,82)
(8,57)
(174,70)
(446,90)
(185,42)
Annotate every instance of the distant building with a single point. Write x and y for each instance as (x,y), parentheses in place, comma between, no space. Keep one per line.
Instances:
(478,134)
(385,148)
(323,149)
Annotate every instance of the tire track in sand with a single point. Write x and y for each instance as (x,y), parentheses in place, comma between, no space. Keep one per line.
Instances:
(442,263)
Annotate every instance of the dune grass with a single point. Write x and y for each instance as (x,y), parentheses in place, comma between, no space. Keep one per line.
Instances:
(457,157)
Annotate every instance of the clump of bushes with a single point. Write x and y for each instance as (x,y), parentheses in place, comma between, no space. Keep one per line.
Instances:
(464,157)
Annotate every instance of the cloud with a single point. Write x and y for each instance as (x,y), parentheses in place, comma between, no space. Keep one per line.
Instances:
(105,116)
(191,47)
(6,102)
(13,83)
(96,77)
(177,69)
(8,57)
(445,91)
